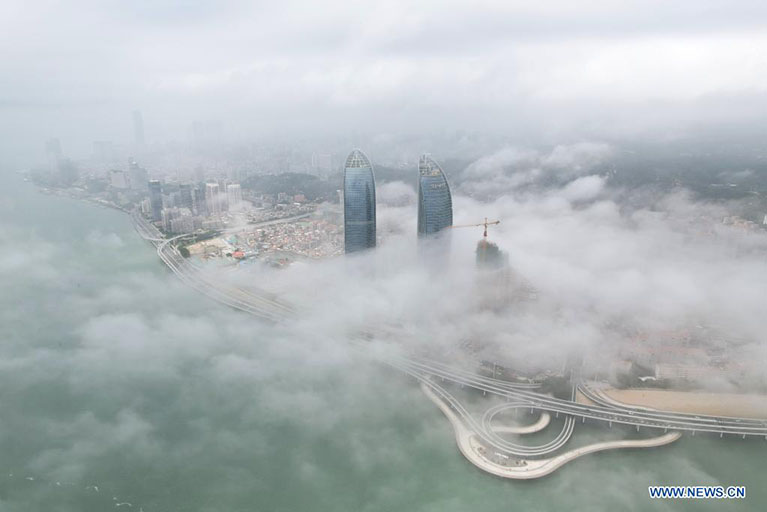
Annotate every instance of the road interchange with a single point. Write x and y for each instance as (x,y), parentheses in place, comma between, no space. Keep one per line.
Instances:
(518,395)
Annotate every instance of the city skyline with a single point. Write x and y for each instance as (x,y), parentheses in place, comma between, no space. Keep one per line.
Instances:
(388,256)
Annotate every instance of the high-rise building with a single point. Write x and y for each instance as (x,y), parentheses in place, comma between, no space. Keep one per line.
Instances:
(435,204)
(184,223)
(494,277)
(168,214)
(177,220)
(234,195)
(199,206)
(212,199)
(359,203)
(137,175)
(489,256)
(185,196)
(155,199)
(223,199)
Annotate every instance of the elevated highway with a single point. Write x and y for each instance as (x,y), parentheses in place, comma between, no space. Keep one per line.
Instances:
(518,395)
(611,414)
(257,302)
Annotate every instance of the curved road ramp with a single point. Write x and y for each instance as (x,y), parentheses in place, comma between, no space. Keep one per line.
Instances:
(482,441)
(476,452)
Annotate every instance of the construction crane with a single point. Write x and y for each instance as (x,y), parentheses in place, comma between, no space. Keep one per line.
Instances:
(485,224)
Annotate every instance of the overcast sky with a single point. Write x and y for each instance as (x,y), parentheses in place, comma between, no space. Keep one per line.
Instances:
(77,69)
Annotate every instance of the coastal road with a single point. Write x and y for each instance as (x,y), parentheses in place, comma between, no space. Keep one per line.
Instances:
(266,306)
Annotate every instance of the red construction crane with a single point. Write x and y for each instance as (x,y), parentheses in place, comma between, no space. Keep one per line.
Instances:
(485,224)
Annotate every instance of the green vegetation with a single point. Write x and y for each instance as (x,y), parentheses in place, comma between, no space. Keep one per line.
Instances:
(293,183)
(558,386)
(205,236)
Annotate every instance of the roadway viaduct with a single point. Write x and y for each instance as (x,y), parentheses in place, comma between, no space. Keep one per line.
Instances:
(255,301)
(433,373)
(609,413)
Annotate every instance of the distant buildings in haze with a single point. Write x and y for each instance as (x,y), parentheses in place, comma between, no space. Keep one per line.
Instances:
(137,175)
(234,195)
(185,199)
(212,199)
(185,207)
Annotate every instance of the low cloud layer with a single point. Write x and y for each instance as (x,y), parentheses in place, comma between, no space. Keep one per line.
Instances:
(135,374)
(514,169)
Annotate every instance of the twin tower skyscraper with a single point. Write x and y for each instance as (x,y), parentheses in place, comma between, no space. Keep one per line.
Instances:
(435,204)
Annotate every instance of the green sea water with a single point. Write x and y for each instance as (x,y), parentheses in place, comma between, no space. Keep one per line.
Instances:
(120,385)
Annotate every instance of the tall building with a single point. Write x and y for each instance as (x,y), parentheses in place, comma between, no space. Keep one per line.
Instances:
(234,195)
(138,128)
(223,199)
(435,204)
(199,206)
(177,220)
(212,199)
(185,196)
(359,203)
(490,256)
(137,175)
(494,277)
(155,199)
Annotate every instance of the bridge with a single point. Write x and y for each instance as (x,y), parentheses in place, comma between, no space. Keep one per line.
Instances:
(602,411)
(434,374)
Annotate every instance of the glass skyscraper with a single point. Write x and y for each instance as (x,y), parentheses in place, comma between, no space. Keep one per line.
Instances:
(435,205)
(359,203)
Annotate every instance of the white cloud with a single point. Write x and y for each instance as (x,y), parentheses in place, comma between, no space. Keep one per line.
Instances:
(584,189)
(610,67)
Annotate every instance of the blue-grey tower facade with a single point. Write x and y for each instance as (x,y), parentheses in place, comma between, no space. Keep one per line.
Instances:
(359,203)
(435,204)
(155,199)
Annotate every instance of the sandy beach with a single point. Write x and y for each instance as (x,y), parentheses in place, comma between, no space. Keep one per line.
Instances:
(717,404)
(581,399)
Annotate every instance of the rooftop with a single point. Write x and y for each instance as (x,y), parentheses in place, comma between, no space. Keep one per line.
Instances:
(357,159)
(428,167)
